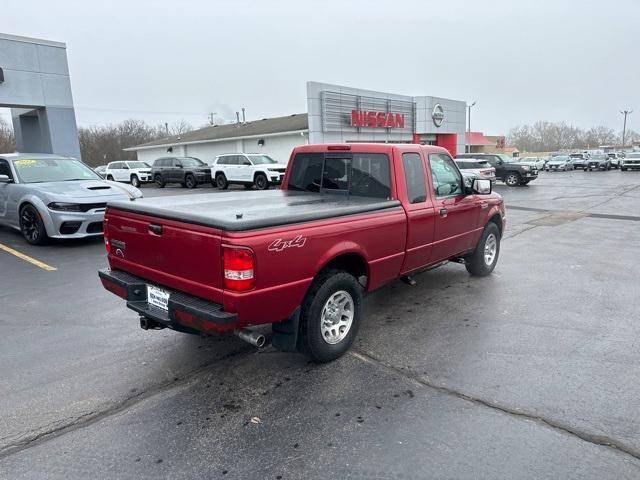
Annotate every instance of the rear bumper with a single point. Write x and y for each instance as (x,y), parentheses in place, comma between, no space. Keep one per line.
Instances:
(183,310)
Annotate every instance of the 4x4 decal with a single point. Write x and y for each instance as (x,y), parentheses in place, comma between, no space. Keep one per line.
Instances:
(279,244)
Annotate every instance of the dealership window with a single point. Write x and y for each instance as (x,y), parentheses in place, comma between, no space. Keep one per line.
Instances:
(414,177)
(447,180)
(358,174)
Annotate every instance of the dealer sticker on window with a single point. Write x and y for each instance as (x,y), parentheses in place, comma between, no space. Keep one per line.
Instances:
(157,297)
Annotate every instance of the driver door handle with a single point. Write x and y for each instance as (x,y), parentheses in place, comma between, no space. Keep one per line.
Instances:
(443,212)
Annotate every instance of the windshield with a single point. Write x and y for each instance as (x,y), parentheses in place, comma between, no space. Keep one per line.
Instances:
(633,155)
(598,157)
(191,162)
(576,155)
(506,158)
(261,159)
(561,158)
(138,165)
(52,170)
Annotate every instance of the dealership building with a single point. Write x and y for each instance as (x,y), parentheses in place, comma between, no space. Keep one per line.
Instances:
(336,114)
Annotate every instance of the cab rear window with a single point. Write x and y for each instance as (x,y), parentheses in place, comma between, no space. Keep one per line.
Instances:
(358,174)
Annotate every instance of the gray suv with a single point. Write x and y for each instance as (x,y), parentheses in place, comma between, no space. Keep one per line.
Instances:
(187,171)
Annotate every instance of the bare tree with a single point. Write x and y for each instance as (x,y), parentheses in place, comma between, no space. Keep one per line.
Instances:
(544,136)
(7,138)
(102,144)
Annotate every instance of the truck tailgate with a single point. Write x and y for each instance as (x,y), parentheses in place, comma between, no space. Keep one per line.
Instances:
(167,252)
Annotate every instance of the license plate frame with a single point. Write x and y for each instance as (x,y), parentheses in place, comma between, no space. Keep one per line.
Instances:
(157,297)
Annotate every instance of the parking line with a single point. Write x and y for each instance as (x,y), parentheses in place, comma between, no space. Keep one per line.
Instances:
(27,258)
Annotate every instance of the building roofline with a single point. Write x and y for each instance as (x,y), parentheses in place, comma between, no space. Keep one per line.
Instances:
(215,140)
(37,41)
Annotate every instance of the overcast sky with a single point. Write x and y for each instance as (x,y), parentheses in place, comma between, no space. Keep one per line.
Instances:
(522,61)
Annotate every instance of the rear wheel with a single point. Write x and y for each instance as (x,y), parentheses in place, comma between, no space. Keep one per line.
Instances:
(485,257)
(159,181)
(221,181)
(261,182)
(190,181)
(330,315)
(135,181)
(32,226)
(512,179)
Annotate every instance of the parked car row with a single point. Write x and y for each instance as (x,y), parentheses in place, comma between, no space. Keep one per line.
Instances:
(507,169)
(246,169)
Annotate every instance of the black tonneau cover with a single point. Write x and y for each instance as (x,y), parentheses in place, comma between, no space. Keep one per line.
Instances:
(239,211)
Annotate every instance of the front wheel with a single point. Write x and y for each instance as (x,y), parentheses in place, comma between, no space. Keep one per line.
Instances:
(485,257)
(221,181)
(624,169)
(159,181)
(190,181)
(261,182)
(512,179)
(330,315)
(32,226)
(135,181)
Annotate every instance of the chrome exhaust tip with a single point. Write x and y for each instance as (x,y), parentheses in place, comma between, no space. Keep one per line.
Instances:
(254,338)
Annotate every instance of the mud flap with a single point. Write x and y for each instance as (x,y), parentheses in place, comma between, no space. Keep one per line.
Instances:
(285,334)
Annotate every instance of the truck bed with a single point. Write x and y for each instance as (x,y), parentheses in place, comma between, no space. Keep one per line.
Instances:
(241,211)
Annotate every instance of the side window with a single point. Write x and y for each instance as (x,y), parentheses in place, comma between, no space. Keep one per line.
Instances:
(161,162)
(336,173)
(447,180)
(244,160)
(370,175)
(414,177)
(232,160)
(306,172)
(4,168)
(115,166)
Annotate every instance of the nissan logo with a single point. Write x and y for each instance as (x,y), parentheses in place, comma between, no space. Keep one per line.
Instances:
(437,115)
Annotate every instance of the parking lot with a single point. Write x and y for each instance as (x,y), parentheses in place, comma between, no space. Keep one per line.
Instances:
(531,372)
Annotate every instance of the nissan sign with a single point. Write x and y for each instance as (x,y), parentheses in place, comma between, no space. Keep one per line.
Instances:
(437,115)
(361,118)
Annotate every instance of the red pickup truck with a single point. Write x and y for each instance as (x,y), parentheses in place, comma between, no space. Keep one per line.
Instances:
(348,219)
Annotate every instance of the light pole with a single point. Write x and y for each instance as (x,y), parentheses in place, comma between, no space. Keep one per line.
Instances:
(468,142)
(624,127)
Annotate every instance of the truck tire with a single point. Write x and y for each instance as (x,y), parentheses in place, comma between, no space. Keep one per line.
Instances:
(32,226)
(135,181)
(512,179)
(330,315)
(221,181)
(190,181)
(484,258)
(261,182)
(159,181)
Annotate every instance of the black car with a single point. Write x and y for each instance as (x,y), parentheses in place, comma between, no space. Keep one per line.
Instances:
(187,171)
(507,168)
(598,162)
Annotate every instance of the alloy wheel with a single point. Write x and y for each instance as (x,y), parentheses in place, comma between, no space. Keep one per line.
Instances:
(337,317)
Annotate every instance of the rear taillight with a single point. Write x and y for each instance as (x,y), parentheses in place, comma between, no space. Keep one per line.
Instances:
(238,265)
(105,230)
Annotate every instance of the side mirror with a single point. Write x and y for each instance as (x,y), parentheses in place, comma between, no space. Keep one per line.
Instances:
(178,165)
(125,167)
(499,162)
(5,179)
(481,186)
(246,162)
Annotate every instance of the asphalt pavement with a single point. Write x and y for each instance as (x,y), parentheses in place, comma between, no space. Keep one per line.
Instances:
(529,373)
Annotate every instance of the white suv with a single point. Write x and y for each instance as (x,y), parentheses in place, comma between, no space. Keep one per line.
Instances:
(132,171)
(246,169)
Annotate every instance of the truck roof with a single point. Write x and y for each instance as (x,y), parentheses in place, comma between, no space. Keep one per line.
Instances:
(368,147)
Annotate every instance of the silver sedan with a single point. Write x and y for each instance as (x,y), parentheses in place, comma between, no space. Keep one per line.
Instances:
(49,196)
